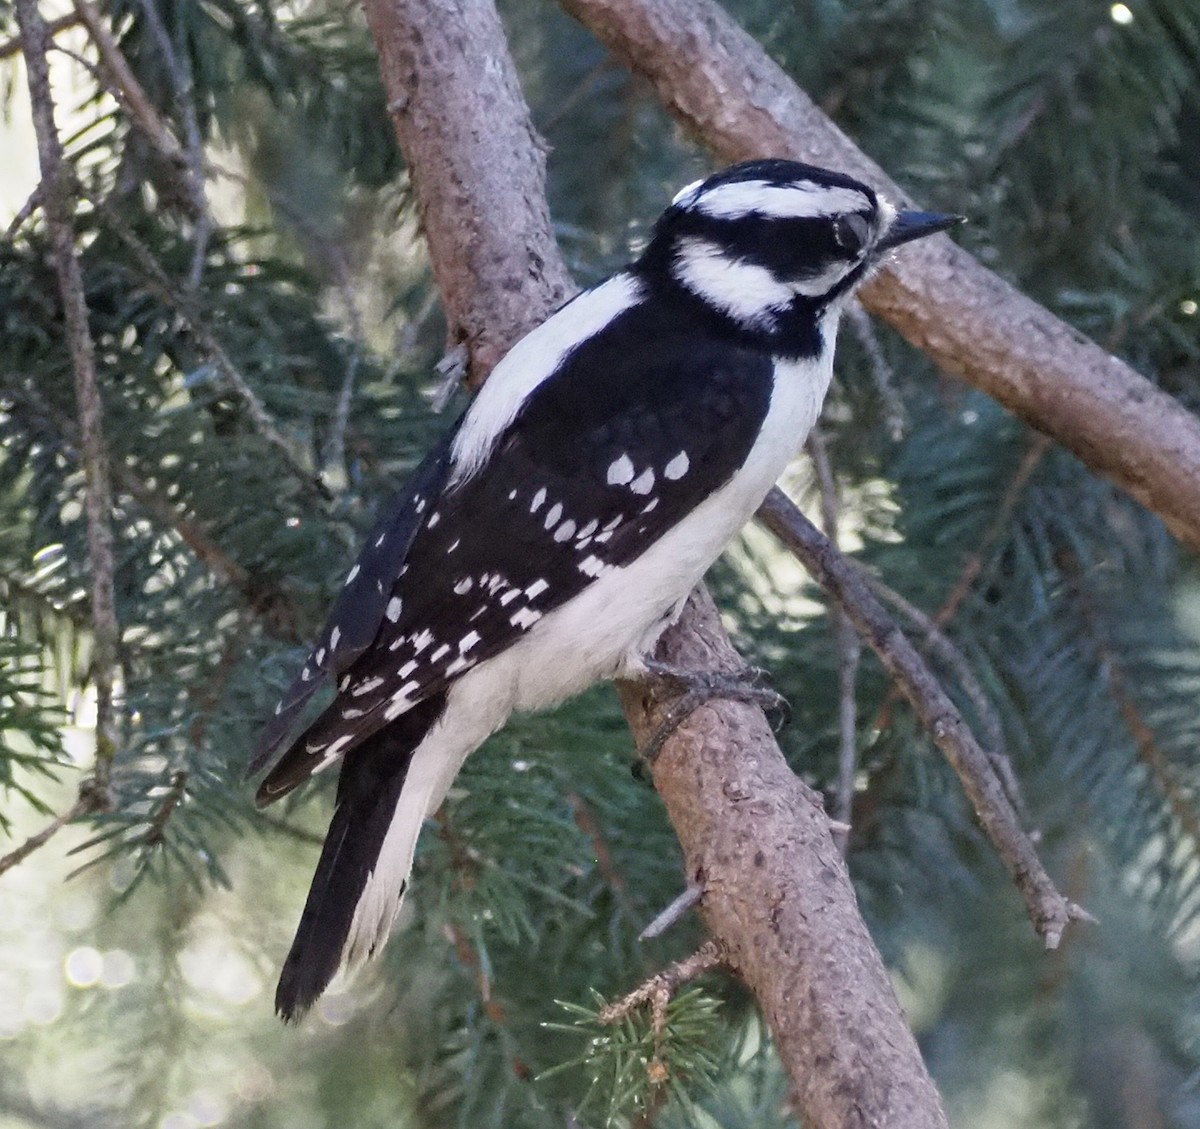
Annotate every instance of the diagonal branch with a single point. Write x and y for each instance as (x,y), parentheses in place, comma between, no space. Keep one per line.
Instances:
(1049,911)
(721,84)
(777,895)
(58,204)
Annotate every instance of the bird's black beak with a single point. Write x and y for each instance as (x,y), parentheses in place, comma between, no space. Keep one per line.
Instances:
(915,225)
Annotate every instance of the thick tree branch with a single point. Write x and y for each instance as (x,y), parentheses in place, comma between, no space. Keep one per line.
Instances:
(56,199)
(778,898)
(491,243)
(720,82)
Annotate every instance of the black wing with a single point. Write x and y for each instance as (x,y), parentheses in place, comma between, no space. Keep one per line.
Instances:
(359,609)
(636,428)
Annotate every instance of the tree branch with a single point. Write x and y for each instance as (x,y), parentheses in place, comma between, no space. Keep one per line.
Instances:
(56,199)
(720,82)
(778,898)
(1049,911)
(16,45)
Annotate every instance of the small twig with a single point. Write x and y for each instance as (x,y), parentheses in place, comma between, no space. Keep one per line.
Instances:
(1038,448)
(56,199)
(673,912)
(848,647)
(940,644)
(26,210)
(171,799)
(658,990)
(125,85)
(1049,910)
(180,71)
(587,824)
(895,416)
(90,800)
(15,45)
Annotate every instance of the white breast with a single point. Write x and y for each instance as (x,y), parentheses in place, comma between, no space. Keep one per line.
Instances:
(604,631)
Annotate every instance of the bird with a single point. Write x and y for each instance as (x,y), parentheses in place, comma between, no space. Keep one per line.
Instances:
(547,541)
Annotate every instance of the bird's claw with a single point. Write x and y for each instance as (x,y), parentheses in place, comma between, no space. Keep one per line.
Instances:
(693,688)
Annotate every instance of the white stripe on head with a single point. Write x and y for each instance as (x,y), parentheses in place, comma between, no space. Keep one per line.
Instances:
(802,199)
(749,293)
(533,359)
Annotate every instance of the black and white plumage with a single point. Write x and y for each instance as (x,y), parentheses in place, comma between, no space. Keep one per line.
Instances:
(552,537)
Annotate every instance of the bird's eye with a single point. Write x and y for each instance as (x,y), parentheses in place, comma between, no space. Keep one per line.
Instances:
(850,233)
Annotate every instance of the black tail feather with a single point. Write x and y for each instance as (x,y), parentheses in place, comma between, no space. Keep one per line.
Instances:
(369,787)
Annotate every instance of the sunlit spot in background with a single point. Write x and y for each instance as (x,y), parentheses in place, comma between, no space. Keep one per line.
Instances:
(83,967)
(1121,14)
(1188,307)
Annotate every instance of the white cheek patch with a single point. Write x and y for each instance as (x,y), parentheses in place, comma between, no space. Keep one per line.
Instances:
(749,293)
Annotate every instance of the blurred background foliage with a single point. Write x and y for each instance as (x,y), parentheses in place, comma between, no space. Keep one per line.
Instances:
(138,950)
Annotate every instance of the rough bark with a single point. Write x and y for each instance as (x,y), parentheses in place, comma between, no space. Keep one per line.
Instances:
(478,167)
(57,198)
(778,899)
(720,82)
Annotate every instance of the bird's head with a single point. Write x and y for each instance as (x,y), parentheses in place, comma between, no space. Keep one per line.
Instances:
(773,245)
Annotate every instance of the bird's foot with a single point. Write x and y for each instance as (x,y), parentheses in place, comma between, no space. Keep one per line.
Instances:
(693,688)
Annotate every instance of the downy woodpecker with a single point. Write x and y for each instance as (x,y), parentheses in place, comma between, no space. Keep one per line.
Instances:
(548,541)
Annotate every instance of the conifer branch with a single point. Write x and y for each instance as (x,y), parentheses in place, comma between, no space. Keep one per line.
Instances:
(1049,911)
(1179,797)
(56,192)
(124,85)
(16,44)
(777,895)
(721,84)
(165,290)
(84,804)
(848,649)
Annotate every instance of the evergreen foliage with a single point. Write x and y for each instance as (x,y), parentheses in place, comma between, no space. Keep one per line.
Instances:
(137,993)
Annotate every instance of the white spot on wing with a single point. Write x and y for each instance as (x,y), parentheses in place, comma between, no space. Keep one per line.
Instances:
(644,482)
(366,686)
(440,653)
(353,572)
(407,668)
(677,467)
(464,586)
(333,638)
(538,499)
(536,589)
(320,656)
(469,640)
(509,596)
(565,531)
(589,529)
(395,605)
(420,642)
(525,617)
(592,566)
(434,518)
(552,515)
(620,471)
